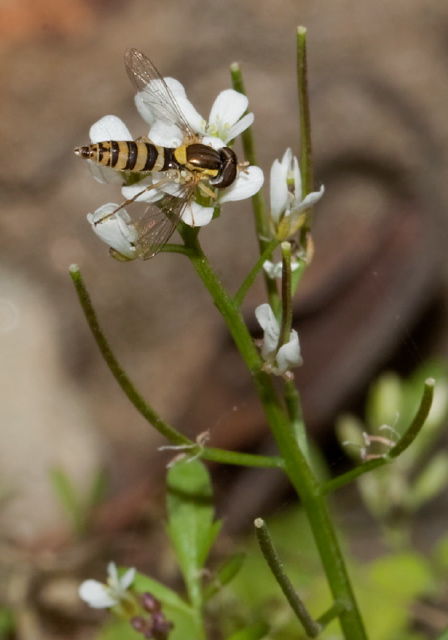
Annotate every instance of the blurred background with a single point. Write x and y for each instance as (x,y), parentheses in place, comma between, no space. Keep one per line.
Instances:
(374,298)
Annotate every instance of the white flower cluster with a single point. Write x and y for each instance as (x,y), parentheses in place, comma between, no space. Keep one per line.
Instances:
(287,205)
(226,121)
(278,360)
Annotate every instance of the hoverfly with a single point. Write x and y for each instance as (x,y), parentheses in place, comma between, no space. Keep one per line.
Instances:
(187,168)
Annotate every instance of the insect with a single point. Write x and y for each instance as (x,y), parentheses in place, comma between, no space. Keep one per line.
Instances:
(190,167)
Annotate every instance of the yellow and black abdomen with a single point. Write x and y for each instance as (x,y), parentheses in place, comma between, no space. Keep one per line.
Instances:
(128,155)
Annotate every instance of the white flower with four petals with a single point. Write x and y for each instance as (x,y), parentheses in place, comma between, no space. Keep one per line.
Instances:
(103,596)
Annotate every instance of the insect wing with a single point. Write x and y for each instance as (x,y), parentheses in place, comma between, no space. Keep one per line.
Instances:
(154,91)
(160,220)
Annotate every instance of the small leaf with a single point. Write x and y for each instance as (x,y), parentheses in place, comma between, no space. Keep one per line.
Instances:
(69,498)
(190,519)
(226,572)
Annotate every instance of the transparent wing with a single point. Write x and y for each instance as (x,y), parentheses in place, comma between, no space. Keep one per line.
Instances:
(160,220)
(154,91)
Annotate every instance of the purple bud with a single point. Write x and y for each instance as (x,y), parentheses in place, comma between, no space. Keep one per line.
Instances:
(150,603)
(139,623)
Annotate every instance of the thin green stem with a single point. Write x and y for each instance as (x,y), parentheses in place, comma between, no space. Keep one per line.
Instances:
(264,234)
(175,248)
(332,613)
(294,407)
(306,160)
(285,329)
(403,443)
(248,282)
(242,459)
(263,230)
(347,478)
(416,425)
(297,468)
(116,369)
(311,627)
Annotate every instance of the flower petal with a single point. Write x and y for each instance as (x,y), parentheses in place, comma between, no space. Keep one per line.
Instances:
(193,117)
(166,134)
(127,579)
(273,269)
(149,103)
(96,594)
(109,128)
(269,324)
(288,355)
(112,572)
(197,216)
(105,175)
(151,195)
(247,183)
(279,190)
(297,177)
(115,230)
(242,124)
(228,108)
(313,197)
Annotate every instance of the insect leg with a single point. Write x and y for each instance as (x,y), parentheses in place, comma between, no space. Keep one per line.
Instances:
(157,185)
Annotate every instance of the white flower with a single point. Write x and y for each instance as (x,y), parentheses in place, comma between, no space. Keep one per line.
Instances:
(103,596)
(282,360)
(287,205)
(116,230)
(226,121)
(107,128)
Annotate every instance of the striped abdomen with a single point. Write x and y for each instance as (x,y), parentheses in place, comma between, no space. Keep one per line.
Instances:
(129,155)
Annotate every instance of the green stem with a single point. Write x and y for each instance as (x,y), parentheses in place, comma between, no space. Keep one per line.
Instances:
(416,425)
(306,156)
(294,407)
(311,627)
(306,160)
(332,613)
(262,227)
(248,282)
(297,469)
(175,248)
(285,329)
(242,459)
(116,369)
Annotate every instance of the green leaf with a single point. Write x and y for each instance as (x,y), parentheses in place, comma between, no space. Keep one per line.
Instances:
(402,576)
(225,573)
(190,521)
(168,597)
(69,498)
